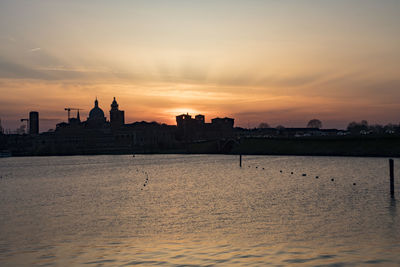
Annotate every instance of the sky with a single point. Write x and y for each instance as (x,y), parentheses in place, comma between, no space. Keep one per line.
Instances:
(275,61)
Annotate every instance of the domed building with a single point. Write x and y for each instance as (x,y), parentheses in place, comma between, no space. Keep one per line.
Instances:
(96,116)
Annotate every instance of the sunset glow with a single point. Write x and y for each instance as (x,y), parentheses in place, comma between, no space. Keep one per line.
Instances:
(281,62)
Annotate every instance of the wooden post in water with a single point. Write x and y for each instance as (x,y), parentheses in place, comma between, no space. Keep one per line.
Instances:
(240,161)
(391,177)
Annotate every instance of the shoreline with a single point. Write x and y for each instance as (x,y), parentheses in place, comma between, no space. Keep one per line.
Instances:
(283,146)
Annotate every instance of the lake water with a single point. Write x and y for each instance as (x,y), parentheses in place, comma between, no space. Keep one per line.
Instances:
(198,210)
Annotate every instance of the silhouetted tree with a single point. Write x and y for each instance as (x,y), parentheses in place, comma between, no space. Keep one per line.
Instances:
(263,125)
(364,123)
(356,127)
(314,123)
(390,128)
(377,129)
(280,127)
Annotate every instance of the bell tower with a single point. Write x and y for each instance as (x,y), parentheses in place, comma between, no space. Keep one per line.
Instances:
(117,117)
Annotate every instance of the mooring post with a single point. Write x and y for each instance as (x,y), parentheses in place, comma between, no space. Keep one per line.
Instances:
(240,160)
(391,177)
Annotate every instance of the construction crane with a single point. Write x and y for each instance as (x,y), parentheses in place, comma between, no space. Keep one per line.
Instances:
(27,123)
(69,111)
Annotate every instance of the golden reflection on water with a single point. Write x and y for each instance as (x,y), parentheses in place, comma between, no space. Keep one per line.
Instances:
(203,210)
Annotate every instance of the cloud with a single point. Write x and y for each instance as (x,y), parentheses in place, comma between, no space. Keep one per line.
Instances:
(274,111)
(74,69)
(250,80)
(11,70)
(34,49)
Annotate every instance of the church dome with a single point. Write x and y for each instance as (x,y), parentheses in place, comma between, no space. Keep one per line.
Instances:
(96,113)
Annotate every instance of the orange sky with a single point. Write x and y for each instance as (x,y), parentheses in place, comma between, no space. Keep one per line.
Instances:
(281,62)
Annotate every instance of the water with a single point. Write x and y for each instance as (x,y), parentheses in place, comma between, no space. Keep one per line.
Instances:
(197,210)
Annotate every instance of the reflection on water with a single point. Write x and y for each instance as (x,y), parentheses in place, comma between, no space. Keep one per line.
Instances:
(203,210)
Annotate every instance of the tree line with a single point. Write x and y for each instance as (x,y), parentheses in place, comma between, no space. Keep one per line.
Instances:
(353,127)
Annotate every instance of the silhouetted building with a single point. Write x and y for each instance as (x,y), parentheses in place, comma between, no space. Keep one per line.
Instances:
(183,120)
(223,123)
(97,135)
(189,129)
(200,119)
(299,132)
(75,121)
(117,117)
(33,122)
(96,117)
(147,135)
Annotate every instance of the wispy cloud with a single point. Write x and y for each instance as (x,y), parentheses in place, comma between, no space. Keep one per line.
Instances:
(75,69)
(13,70)
(34,49)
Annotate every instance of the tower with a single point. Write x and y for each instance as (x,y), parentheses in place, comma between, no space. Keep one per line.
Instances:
(117,117)
(33,122)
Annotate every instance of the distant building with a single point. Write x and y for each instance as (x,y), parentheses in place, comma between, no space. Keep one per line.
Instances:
(200,119)
(75,121)
(96,117)
(190,129)
(33,122)
(223,123)
(299,132)
(1,128)
(97,135)
(183,120)
(117,117)
(186,127)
